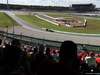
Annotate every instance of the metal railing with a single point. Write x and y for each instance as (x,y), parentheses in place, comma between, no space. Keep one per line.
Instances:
(32,39)
(48,42)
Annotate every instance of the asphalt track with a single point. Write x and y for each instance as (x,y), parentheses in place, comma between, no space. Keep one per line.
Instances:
(33,31)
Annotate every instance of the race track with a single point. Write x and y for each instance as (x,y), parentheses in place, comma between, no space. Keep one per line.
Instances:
(31,30)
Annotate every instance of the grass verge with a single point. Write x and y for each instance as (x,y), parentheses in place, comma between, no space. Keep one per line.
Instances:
(93,26)
(5,20)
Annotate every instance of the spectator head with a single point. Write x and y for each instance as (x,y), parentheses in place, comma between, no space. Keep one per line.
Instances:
(79,56)
(35,50)
(47,50)
(13,56)
(41,48)
(82,53)
(99,55)
(16,42)
(91,53)
(68,49)
(96,55)
(54,51)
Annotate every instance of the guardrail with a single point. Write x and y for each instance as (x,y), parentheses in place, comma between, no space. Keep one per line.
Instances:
(48,42)
(33,39)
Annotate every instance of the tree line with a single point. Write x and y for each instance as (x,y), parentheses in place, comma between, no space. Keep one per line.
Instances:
(32,7)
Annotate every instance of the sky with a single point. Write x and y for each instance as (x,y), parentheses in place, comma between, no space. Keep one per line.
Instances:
(65,3)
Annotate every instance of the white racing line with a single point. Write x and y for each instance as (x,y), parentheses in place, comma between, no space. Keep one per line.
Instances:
(49,16)
(46,20)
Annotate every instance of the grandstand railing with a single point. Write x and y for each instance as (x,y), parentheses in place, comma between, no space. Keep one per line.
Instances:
(48,42)
(32,39)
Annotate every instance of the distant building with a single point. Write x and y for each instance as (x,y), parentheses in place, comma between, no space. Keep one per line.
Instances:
(83,7)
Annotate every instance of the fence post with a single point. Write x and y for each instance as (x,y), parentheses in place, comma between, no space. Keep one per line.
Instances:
(31,38)
(7,30)
(43,39)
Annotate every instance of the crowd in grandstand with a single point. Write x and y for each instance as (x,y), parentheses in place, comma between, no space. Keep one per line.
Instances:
(18,59)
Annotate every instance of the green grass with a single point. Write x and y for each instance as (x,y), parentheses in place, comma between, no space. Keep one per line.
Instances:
(5,20)
(36,21)
(55,15)
(93,26)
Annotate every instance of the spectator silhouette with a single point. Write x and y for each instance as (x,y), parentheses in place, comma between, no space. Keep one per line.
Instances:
(35,50)
(76,64)
(48,54)
(91,60)
(54,56)
(32,55)
(38,58)
(68,57)
(68,53)
(13,60)
(83,57)
(98,64)
(17,43)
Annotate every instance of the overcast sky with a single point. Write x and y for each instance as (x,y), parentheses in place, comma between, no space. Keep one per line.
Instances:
(52,2)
